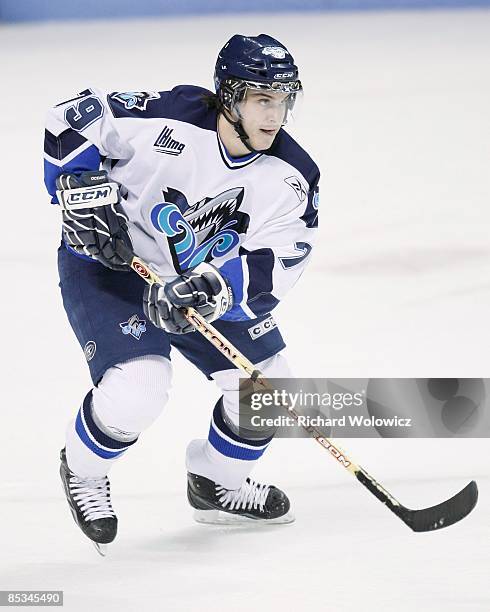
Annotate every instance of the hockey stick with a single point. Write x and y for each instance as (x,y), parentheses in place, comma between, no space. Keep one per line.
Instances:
(426,519)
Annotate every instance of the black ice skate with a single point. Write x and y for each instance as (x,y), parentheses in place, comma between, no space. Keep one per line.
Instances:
(90,504)
(252,501)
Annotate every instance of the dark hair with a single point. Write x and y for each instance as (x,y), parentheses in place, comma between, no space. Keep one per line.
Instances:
(212,101)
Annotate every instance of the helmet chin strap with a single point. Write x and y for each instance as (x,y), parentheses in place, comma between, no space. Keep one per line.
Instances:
(240,130)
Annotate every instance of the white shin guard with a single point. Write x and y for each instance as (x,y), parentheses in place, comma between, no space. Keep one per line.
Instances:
(128,399)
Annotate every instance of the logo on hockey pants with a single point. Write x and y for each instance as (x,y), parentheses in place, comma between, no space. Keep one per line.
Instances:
(262,328)
(89,350)
(135,327)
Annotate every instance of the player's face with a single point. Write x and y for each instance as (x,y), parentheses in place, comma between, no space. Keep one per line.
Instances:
(262,114)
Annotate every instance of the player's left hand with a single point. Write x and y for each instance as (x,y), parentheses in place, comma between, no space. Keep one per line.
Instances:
(94,222)
(202,287)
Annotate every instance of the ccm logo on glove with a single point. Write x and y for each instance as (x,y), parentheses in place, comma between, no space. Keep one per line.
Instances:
(74,199)
(94,222)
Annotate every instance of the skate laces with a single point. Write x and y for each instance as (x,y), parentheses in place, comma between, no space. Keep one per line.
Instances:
(251,495)
(92,496)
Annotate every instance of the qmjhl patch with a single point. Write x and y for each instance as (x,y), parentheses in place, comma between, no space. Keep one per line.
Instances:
(166,144)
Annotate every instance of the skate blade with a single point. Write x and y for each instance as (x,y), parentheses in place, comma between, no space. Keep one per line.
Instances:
(100,548)
(216,517)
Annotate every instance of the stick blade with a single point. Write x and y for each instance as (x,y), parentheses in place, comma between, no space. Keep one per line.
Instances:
(100,548)
(443,515)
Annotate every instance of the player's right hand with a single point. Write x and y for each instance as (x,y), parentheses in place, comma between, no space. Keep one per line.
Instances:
(202,288)
(93,220)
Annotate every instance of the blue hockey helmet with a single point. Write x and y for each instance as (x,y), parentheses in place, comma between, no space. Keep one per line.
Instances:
(255,62)
(259,58)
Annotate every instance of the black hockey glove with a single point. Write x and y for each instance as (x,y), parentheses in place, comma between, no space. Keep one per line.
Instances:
(93,220)
(201,287)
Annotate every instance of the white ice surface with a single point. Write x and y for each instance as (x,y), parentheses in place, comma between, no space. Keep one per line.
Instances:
(397,114)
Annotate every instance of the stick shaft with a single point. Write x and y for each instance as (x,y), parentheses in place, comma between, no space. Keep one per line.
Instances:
(239,360)
(426,519)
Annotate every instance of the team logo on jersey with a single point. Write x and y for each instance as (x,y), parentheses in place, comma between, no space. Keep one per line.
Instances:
(166,144)
(295,183)
(203,231)
(276,52)
(135,99)
(134,326)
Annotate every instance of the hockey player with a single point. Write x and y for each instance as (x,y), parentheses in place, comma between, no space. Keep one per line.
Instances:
(222,203)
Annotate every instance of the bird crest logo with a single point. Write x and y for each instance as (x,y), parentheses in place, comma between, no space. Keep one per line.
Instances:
(135,99)
(134,326)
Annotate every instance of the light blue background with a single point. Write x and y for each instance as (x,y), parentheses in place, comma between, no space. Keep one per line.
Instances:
(38,10)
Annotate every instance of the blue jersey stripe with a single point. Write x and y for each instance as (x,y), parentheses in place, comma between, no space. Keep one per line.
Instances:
(89,159)
(62,145)
(185,103)
(263,304)
(260,265)
(259,298)
(232,270)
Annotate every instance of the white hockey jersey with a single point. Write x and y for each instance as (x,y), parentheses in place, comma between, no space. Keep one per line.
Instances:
(187,200)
